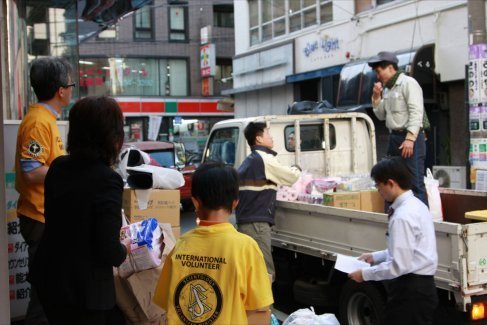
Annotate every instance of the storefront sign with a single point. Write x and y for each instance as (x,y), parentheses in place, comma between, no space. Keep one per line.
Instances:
(207,87)
(205,34)
(207,60)
(19,288)
(317,51)
(325,44)
(154,127)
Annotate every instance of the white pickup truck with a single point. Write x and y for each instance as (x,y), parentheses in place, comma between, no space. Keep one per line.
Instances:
(307,237)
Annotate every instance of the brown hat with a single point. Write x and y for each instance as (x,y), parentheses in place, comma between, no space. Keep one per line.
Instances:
(383,57)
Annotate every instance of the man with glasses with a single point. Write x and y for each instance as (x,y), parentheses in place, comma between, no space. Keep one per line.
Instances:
(38,144)
(410,261)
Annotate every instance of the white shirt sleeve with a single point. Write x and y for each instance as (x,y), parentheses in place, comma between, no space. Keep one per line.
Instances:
(380,256)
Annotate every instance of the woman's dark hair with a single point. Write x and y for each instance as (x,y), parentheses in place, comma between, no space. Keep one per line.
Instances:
(385,64)
(48,74)
(96,129)
(392,168)
(252,130)
(215,185)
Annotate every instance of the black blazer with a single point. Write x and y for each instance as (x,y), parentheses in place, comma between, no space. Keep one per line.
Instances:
(73,264)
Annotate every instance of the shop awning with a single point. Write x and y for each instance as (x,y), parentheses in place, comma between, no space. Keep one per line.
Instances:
(314,74)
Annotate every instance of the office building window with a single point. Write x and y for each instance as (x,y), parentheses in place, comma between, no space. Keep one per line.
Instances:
(273,18)
(363,5)
(178,23)
(144,23)
(254,21)
(223,69)
(133,77)
(326,11)
(223,16)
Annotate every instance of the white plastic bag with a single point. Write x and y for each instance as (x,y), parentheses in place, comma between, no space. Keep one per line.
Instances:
(307,316)
(434,200)
(148,176)
(131,157)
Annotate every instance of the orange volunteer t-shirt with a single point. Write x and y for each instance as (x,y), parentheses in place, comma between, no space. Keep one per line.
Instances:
(38,138)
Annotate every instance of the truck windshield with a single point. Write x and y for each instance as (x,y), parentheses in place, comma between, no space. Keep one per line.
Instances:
(221,146)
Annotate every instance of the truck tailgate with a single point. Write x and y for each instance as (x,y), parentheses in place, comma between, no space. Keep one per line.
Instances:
(475,237)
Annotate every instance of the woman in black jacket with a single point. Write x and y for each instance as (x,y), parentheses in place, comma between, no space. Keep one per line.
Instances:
(72,268)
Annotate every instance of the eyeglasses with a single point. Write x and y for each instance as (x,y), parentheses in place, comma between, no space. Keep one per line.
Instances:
(70,85)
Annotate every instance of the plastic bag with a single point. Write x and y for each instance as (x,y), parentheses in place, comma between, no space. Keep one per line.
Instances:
(307,316)
(434,200)
(146,252)
(147,176)
(131,157)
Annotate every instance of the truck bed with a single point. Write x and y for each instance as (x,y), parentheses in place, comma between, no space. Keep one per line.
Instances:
(324,231)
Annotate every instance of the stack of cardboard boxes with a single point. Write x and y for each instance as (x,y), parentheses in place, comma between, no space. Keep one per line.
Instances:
(163,205)
(369,200)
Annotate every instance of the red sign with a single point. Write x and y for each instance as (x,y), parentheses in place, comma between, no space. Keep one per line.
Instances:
(207,60)
(207,86)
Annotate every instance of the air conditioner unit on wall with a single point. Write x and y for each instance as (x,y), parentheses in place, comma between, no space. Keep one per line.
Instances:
(451,176)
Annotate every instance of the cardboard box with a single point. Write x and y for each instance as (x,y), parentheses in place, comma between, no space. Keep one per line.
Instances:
(164,205)
(134,297)
(371,201)
(347,200)
(176,231)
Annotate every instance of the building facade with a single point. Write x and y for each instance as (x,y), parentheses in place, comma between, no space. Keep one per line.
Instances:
(149,56)
(293,50)
(151,62)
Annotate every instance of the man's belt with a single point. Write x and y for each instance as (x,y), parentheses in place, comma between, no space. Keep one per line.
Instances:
(403,131)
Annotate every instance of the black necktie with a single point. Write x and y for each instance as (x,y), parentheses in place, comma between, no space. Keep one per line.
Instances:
(390,212)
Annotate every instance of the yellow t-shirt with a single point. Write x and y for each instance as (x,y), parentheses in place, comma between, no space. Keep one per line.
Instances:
(38,138)
(212,276)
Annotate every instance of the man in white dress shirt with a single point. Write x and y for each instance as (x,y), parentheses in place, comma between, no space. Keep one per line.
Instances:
(411,259)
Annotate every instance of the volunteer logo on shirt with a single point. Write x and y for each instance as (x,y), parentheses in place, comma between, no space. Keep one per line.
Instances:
(198,299)
(34,148)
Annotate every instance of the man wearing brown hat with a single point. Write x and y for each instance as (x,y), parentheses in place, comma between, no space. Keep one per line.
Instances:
(398,99)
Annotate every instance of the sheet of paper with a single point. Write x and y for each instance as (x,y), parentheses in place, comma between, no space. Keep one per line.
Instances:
(349,264)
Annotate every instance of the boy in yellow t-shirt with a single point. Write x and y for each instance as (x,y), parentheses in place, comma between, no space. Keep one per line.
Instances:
(214,274)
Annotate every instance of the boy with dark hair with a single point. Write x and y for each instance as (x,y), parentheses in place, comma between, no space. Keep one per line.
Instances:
(260,174)
(411,259)
(214,274)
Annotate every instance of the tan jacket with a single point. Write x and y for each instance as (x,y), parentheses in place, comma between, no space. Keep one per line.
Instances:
(402,106)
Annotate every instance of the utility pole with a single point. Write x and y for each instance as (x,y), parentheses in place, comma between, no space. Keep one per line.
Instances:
(476,21)
(477,89)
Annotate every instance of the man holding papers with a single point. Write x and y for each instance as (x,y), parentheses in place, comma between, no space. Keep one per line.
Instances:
(410,259)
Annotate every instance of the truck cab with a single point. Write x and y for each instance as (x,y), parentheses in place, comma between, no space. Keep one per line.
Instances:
(325,144)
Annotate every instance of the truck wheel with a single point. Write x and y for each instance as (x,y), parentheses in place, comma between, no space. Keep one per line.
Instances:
(361,304)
